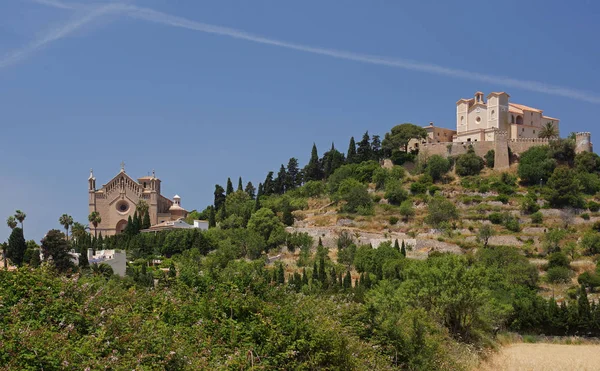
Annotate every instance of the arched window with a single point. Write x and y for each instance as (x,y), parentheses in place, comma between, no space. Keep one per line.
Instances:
(519,120)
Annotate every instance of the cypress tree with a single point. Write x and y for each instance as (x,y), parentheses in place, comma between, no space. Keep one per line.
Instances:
(129,227)
(136,226)
(16,246)
(367,280)
(212,222)
(315,272)
(240,188)
(250,190)
(146,221)
(281,275)
(583,308)
(100,241)
(274,276)
(348,280)
(363,152)
(322,274)
(403,248)
(333,276)
(396,245)
(304,277)
(320,242)
(351,155)
(83,259)
(313,170)
(229,189)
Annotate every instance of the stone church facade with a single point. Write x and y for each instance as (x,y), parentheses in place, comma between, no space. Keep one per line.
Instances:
(117,200)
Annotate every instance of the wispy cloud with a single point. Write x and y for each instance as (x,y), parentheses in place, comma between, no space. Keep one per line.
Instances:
(59,32)
(406,64)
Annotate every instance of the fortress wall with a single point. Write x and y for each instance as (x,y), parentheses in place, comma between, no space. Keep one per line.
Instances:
(518,146)
(455,148)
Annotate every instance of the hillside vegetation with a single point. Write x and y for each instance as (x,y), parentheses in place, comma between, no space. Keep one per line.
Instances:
(345,264)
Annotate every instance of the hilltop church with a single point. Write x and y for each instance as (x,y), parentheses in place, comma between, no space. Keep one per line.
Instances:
(118,199)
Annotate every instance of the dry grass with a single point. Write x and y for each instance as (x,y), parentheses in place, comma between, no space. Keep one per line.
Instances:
(545,357)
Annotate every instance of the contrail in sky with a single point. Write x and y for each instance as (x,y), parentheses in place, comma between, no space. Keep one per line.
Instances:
(175,21)
(57,33)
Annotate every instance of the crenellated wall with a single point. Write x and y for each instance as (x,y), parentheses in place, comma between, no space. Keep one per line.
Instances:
(500,146)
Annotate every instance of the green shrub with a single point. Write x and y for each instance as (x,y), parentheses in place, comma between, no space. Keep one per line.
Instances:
(433,189)
(469,164)
(529,205)
(394,192)
(585,216)
(557,259)
(593,206)
(512,224)
(393,220)
(502,198)
(418,188)
(436,167)
(536,163)
(490,157)
(596,226)
(559,275)
(537,218)
(496,218)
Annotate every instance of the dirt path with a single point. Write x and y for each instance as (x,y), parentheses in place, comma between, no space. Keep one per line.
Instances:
(534,357)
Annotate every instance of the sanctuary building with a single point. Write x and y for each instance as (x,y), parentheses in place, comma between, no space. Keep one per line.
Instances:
(117,200)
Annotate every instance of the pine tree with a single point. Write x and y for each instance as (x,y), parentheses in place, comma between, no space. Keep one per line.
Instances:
(281,181)
(313,170)
(240,188)
(229,187)
(250,190)
(332,160)
(403,249)
(294,178)
(376,147)
(351,155)
(16,246)
(268,186)
(212,222)
(363,152)
(219,197)
(146,221)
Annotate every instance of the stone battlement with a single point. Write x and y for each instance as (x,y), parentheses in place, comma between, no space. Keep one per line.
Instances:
(541,141)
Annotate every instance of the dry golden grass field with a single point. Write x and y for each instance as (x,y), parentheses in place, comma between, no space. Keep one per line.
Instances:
(547,357)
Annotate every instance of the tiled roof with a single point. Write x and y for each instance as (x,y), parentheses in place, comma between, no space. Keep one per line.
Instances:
(512,109)
(525,108)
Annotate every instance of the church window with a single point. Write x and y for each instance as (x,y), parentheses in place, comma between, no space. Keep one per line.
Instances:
(122,206)
(462,119)
(144,184)
(478,119)
(493,112)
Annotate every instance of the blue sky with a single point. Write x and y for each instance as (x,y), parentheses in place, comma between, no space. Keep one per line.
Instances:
(156,84)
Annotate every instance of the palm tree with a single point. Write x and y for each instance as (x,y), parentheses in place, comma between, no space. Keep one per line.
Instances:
(549,131)
(142,208)
(66,221)
(78,230)
(20,216)
(95,219)
(11,222)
